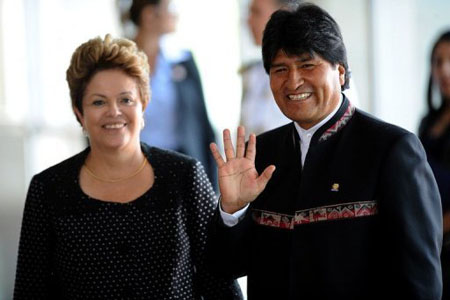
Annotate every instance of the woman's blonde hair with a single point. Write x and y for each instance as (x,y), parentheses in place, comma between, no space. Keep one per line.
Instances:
(97,55)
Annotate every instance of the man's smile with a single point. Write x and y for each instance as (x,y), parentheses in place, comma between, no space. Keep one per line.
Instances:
(299,97)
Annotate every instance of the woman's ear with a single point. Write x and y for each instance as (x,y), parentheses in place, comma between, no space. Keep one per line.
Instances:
(79,115)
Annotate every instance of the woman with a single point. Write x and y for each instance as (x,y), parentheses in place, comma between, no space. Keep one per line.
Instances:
(434,133)
(177,117)
(120,220)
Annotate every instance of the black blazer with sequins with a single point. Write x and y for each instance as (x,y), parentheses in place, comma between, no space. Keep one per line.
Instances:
(75,247)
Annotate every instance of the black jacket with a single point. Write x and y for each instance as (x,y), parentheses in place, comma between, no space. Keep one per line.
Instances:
(362,220)
(75,247)
(192,120)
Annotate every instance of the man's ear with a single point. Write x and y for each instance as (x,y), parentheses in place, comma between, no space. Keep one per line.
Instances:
(341,71)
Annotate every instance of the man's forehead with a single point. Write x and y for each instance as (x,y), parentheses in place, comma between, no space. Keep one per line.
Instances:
(306,55)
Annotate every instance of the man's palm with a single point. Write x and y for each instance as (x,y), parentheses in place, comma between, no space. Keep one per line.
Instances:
(239,182)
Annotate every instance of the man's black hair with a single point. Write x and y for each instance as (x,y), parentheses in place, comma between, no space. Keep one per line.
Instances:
(304,28)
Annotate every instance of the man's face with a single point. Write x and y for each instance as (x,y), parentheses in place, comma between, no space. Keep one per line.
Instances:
(306,88)
(258,16)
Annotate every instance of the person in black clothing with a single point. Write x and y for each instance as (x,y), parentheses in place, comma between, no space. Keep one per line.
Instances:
(120,220)
(336,204)
(434,132)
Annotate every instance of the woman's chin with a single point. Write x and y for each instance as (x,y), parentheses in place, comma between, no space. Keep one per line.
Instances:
(112,144)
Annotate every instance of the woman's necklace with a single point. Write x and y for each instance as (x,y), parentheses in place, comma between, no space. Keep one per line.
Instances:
(141,167)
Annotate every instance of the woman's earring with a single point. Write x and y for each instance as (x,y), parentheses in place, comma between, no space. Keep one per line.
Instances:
(142,123)
(85,133)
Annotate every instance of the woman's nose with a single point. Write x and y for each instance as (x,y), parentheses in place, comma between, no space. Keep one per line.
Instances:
(114,109)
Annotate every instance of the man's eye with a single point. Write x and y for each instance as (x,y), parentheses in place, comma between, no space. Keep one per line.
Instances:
(307,66)
(279,70)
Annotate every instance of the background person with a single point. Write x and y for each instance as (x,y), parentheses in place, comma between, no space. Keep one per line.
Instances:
(176,117)
(434,132)
(120,219)
(259,112)
(352,210)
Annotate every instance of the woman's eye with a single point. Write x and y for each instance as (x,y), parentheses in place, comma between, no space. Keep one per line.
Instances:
(127,100)
(98,102)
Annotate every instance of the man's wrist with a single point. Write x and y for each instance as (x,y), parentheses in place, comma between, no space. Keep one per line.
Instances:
(231,220)
(231,208)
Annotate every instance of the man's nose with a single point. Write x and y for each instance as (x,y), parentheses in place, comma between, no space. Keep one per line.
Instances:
(295,79)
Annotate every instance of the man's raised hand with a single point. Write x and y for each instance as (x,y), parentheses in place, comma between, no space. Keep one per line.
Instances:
(239,182)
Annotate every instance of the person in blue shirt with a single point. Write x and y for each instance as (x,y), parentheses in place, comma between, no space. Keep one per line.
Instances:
(176,117)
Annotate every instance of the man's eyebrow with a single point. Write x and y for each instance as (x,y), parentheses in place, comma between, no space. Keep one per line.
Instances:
(301,59)
(277,65)
(304,58)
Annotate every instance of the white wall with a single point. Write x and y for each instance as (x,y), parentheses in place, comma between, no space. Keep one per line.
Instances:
(388,44)
(211,30)
(353,17)
(403,31)
(397,93)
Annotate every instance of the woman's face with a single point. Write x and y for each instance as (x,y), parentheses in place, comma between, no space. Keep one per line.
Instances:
(441,67)
(112,110)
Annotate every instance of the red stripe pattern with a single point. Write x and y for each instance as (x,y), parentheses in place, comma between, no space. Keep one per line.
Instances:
(318,214)
(339,123)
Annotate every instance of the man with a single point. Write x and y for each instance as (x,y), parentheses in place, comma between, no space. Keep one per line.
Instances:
(352,210)
(259,111)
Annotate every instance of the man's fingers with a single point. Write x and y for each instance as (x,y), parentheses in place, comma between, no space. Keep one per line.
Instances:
(228,145)
(240,142)
(264,178)
(216,154)
(251,147)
